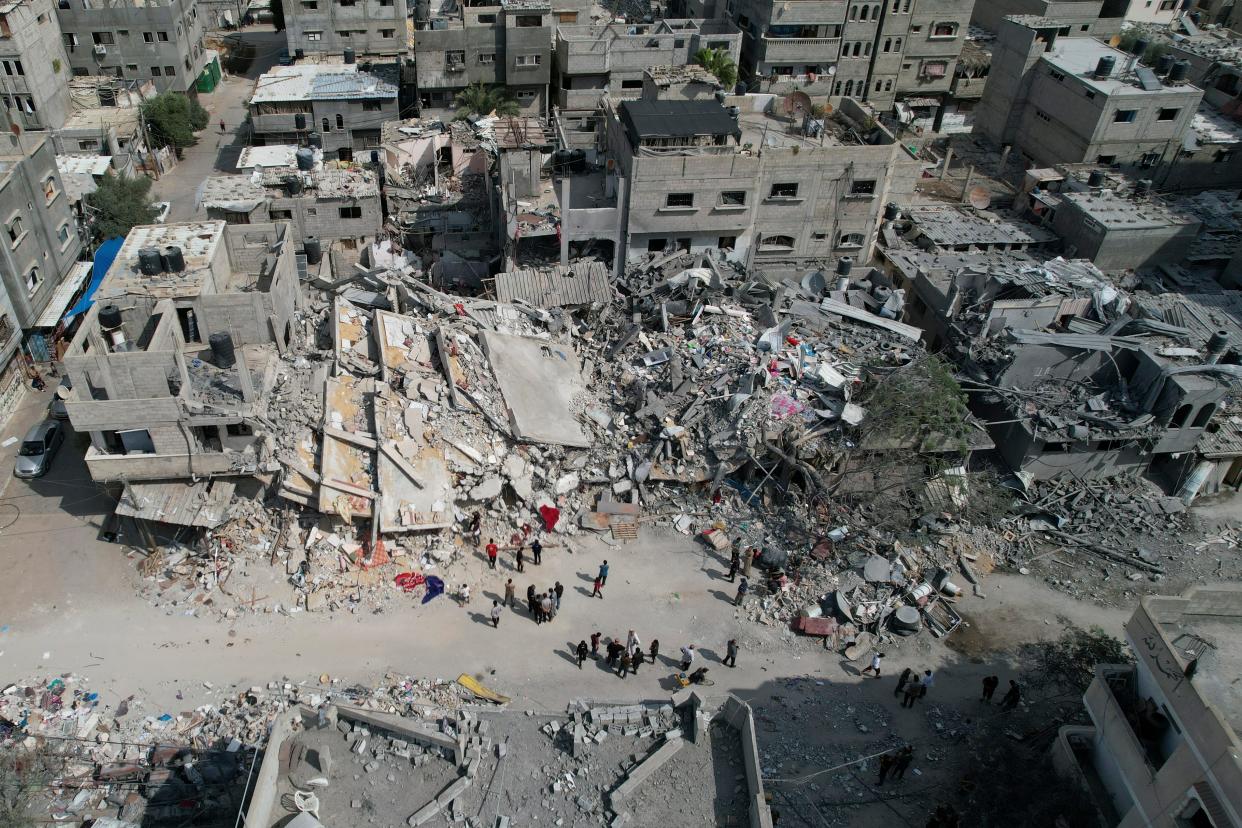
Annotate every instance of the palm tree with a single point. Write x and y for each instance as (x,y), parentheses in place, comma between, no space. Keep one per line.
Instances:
(718,62)
(481,99)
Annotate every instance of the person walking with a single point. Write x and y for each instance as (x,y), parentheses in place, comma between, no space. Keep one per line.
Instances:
(637,658)
(222,126)
(990,683)
(496,610)
(627,662)
(602,577)
(926,683)
(595,637)
(913,691)
(632,643)
(545,607)
(509,588)
(581,652)
(520,560)
(1012,696)
(654,650)
(735,563)
(904,757)
(475,528)
(874,667)
(598,588)
(886,764)
(559,589)
(687,657)
(902,681)
(731,653)
(492,551)
(742,589)
(536,551)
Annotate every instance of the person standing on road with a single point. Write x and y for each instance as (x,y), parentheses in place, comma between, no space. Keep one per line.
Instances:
(559,589)
(742,589)
(602,577)
(581,652)
(545,607)
(904,757)
(990,683)
(632,643)
(1012,696)
(627,662)
(731,653)
(655,650)
(748,560)
(536,551)
(687,657)
(463,595)
(520,560)
(913,691)
(886,764)
(902,681)
(926,683)
(222,126)
(874,666)
(598,588)
(530,600)
(637,658)
(492,551)
(496,610)
(595,637)
(735,563)
(509,593)
(614,652)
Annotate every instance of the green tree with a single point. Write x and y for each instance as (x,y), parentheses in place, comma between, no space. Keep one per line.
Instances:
(172,119)
(920,405)
(481,99)
(718,62)
(119,204)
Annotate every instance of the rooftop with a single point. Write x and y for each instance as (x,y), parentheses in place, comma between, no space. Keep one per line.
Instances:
(199,242)
(1118,211)
(324,82)
(1079,57)
(953,226)
(272,155)
(666,76)
(222,190)
(1211,126)
(94,119)
(83,164)
(645,119)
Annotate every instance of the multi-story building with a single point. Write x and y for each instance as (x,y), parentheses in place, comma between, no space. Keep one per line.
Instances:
(1079,18)
(875,52)
(337,105)
(159,40)
(507,43)
(1163,747)
(1073,99)
(370,27)
(1162,12)
(34,83)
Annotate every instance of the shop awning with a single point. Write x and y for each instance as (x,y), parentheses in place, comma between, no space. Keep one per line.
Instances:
(104,257)
(64,295)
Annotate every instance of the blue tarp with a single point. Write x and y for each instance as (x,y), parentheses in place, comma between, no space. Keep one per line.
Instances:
(104,257)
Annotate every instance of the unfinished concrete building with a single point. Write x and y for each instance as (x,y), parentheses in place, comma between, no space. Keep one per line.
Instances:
(36,66)
(371,28)
(1122,230)
(332,204)
(769,188)
(173,361)
(507,43)
(338,106)
(1163,749)
(1075,100)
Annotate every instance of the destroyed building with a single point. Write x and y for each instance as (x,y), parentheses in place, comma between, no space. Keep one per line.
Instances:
(1162,748)
(336,201)
(174,361)
(337,107)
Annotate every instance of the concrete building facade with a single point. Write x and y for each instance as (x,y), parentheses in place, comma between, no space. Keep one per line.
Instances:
(34,82)
(370,27)
(1078,18)
(156,40)
(507,44)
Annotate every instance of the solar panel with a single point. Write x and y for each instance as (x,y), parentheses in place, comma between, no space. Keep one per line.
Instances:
(1147,79)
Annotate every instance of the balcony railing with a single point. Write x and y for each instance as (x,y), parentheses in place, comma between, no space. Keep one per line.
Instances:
(801,49)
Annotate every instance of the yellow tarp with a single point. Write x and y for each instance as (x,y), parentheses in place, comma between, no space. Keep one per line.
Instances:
(474,686)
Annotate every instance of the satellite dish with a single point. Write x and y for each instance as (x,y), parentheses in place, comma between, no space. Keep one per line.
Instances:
(980,198)
(15,129)
(832,70)
(797,101)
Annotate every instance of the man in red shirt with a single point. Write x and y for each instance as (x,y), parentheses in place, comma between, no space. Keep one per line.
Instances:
(492,551)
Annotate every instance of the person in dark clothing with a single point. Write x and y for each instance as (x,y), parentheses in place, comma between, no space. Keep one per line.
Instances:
(626,663)
(597,588)
(520,560)
(536,551)
(637,658)
(614,650)
(595,637)
(990,683)
(581,652)
(559,589)
(886,764)
(902,681)
(742,589)
(904,757)
(1012,696)
(530,600)
(655,650)
(474,527)
(913,691)
(731,653)
(735,563)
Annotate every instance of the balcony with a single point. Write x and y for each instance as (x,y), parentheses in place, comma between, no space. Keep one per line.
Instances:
(800,49)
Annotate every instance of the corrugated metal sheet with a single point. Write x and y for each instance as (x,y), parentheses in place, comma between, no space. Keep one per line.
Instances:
(582,283)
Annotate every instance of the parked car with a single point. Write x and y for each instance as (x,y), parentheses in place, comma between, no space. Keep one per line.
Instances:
(38,449)
(57,409)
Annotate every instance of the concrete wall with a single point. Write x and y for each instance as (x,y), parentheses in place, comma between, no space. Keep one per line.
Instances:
(357,129)
(739,716)
(1119,248)
(1016,50)
(1073,13)
(376,27)
(174,29)
(42,89)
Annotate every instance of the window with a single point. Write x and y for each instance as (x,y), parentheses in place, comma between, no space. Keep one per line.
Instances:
(310,5)
(631,84)
(170,71)
(50,190)
(849,88)
(1169,114)
(16,230)
(155,71)
(726,242)
(935,68)
(865,13)
(733,198)
(944,30)
(281,215)
(314,36)
(487,18)
(916,29)
(888,85)
(1043,116)
(528,21)
(347,2)
(777,242)
(385,3)
(1125,116)
(1090,94)
(340,121)
(33,280)
(103,38)
(13,67)
(1149,159)
(524,96)
(187,64)
(88,145)
(888,44)
(387,33)
(62,233)
(351,212)
(1086,27)
(1106,159)
(529,60)
(131,67)
(311,211)
(851,240)
(327,126)
(787,190)
(344,33)
(372,106)
(863,187)
(679,44)
(1223,156)
(1056,76)
(679,200)
(148,37)
(163,36)
(487,59)
(71,40)
(656,245)
(1167,5)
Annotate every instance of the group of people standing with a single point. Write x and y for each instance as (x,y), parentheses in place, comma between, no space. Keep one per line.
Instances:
(625,657)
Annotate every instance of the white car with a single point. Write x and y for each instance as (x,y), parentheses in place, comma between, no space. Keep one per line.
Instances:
(161,208)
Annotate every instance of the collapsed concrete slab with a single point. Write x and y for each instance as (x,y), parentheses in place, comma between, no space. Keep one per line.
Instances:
(541,381)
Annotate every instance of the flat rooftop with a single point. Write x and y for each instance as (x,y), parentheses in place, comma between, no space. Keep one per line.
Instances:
(647,119)
(952,226)
(83,164)
(199,242)
(324,82)
(1079,56)
(220,190)
(272,155)
(99,118)
(1117,211)
(1211,126)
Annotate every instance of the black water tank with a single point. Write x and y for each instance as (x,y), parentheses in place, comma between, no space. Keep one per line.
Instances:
(174,261)
(1164,63)
(1104,68)
(222,350)
(315,140)
(293,184)
(1180,72)
(577,161)
(560,161)
(1216,344)
(891,211)
(1140,46)
(299,121)
(306,159)
(844,265)
(109,317)
(1096,179)
(299,53)
(375,157)
(149,261)
(349,55)
(314,252)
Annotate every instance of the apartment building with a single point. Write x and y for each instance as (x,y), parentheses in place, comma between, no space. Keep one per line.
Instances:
(336,106)
(1079,18)
(610,59)
(773,188)
(35,66)
(173,363)
(156,40)
(1163,748)
(373,28)
(507,43)
(1062,99)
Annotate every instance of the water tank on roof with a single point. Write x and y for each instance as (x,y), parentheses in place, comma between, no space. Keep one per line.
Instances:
(844,265)
(1096,178)
(1164,63)
(1104,69)
(306,159)
(577,161)
(222,353)
(1140,46)
(293,184)
(891,211)
(1180,73)
(720,95)
(174,261)
(314,251)
(735,112)
(299,121)
(560,161)
(109,317)
(349,55)
(375,157)
(315,140)
(149,261)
